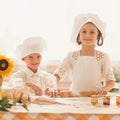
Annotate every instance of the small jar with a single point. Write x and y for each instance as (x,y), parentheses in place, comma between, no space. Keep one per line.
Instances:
(94,99)
(117,100)
(106,100)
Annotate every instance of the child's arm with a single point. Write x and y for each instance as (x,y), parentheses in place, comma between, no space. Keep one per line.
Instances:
(109,85)
(35,88)
(57,77)
(102,91)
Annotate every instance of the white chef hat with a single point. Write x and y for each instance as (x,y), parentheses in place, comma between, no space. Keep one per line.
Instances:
(82,19)
(31,45)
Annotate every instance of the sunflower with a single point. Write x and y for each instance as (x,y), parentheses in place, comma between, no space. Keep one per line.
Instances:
(6,66)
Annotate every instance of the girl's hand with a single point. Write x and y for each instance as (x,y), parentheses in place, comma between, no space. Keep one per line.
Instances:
(102,91)
(35,88)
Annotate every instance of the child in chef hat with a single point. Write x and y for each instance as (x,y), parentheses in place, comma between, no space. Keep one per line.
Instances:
(87,66)
(31,52)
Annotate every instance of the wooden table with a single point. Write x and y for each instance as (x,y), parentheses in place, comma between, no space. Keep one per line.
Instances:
(74,108)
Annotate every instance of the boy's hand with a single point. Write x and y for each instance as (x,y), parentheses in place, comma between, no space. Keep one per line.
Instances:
(52,93)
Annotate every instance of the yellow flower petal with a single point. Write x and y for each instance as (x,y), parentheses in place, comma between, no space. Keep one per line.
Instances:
(6,66)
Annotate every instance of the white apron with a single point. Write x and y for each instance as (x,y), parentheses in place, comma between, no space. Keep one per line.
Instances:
(86,74)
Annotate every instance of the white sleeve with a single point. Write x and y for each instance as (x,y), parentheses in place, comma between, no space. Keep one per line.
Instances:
(50,82)
(19,74)
(64,67)
(107,69)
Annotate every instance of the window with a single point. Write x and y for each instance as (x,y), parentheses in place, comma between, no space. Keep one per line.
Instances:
(53,20)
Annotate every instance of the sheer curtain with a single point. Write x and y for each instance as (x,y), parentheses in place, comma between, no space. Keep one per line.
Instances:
(53,20)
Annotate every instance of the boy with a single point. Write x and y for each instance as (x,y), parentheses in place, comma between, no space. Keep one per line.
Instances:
(30,52)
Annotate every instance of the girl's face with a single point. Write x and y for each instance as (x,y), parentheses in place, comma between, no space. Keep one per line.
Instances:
(33,61)
(88,34)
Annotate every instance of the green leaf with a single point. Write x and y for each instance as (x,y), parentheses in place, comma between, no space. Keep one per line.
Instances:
(3,109)
(29,98)
(25,106)
(19,100)
(4,102)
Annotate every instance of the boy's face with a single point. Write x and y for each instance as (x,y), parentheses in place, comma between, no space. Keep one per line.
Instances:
(33,61)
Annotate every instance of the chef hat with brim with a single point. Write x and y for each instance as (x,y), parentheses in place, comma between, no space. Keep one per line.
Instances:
(31,45)
(82,19)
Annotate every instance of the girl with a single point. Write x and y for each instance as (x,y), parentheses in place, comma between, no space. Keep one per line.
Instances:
(87,67)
